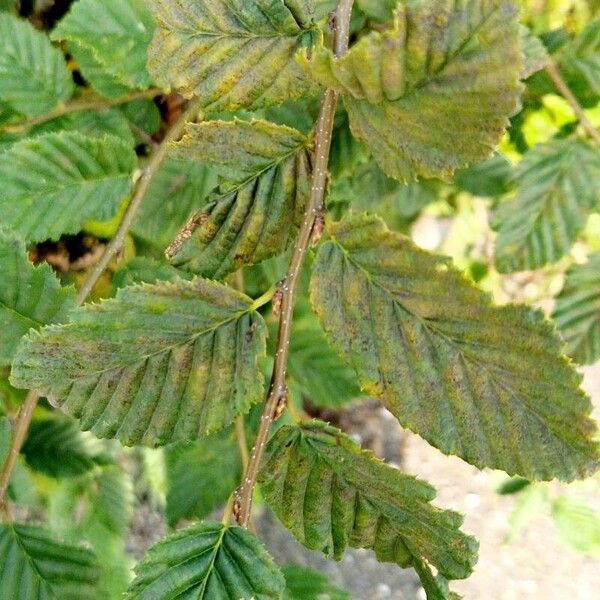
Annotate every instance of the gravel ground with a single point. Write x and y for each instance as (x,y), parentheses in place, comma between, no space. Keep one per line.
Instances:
(536,565)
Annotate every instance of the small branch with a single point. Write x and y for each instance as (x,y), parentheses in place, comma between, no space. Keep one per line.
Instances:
(21,427)
(94,103)
(115,245)
(553,72)
(240,436)
(278,388)
(25,414)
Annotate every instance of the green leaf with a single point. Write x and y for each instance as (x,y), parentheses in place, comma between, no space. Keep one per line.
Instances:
(436,587)
(37,567)
(557,187)
(200,476)
(208,561)
(306,584)
(258,207)
(535,55)
(54,446)
(487,179)
(332,494)
(156,364)
(486,383)
(577,524)
(577,311)
(178,189)
(97,509)
(117,33)
(53,184)
(95,73)
(33,75)
(320,373)
(30,296)
(232,54)
(579,59)
(433,93)
(513,485)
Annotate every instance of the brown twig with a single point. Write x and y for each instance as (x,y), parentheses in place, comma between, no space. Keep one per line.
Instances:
(115,245)
(23,420)
(277,388)
(79,105)
(553,72)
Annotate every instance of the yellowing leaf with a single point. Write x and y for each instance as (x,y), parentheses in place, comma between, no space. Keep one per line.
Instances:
(433,93)
(232,54)
(486,383)
(331,494)
(259,205)
(159,363)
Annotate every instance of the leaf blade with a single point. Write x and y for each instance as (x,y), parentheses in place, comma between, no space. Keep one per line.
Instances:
(202,49)
(210,562)
(433,93)
(159,363)
(486,383)
(332,494)
(30,296)
(55,183)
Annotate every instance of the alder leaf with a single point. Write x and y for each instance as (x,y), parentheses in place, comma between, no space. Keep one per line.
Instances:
(577,311)
(55,183)
(30,296)
(258,207)
(116,33)
(33,75)
(208,561)
(200,476)
(433,93)
(306,584)
(232,54)
(578,524)
(486,383)
(580,59)
(54,446)
(331,494)
(156,364)
(37,567)
(535,55)
(557,187)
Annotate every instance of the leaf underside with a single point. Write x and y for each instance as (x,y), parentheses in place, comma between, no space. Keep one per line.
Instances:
(232,54)
(207,561)
(577,311)
(486,383)
(53,184)
(557,188)
(265,171)
(331,494)
(30,296)
(433,93)
(159,363)
(37,567)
